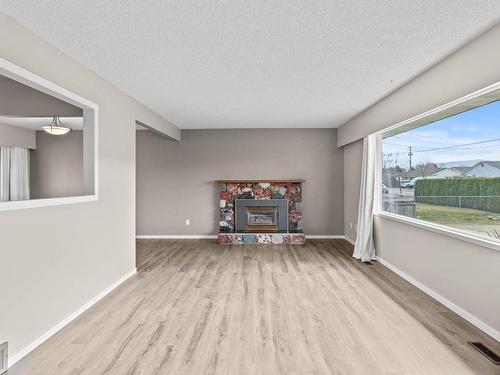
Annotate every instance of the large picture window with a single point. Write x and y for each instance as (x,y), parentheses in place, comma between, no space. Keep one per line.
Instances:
(445,168)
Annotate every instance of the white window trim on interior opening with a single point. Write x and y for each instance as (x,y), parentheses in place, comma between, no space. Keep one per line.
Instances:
(425,225)
(30,79)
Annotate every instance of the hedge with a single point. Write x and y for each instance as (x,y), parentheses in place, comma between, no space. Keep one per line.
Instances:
(478,193)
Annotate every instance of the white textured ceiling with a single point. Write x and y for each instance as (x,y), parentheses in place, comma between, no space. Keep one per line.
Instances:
(259,63)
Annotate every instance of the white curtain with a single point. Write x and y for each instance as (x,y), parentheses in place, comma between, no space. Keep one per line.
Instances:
(4,174)
(364,249)
(14,174)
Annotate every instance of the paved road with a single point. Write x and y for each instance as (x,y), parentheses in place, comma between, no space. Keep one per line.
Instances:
(400,194)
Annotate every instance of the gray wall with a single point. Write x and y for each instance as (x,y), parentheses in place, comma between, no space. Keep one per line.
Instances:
(17,136)
(17,99)
(175,180)
(56,166)
(465,274)
(48,273)
(471,68)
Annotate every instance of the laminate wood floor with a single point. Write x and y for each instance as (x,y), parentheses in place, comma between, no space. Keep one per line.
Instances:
(199,308)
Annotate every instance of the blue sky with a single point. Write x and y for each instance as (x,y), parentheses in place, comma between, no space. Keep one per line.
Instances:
(479,124)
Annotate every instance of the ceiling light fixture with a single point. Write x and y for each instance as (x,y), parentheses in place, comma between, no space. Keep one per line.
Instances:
(56,127)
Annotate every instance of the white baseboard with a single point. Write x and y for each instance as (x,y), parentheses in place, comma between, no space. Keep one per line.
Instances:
(203,236)
(176,236)
(457,309)
(325,236)
(350,240)
(26,350)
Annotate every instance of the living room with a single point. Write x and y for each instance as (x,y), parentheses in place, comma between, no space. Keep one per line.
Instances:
(265,188)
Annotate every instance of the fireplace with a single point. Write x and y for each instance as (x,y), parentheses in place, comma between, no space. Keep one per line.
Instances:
(270,215)
(260,212)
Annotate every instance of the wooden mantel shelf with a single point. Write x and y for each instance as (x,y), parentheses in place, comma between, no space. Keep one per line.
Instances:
(247,181)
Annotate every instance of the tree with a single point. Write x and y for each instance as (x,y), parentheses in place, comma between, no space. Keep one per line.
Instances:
(427,169)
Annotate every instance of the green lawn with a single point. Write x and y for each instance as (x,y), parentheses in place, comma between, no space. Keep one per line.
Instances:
(454,215)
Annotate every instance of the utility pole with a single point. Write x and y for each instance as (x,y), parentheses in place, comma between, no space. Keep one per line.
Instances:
(410,154)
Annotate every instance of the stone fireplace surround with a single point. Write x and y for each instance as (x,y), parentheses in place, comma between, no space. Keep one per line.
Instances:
(231,190)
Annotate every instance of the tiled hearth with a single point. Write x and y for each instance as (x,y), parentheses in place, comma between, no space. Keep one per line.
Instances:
(278,227)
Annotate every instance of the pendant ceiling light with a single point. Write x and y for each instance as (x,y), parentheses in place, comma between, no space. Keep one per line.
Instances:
(56,127)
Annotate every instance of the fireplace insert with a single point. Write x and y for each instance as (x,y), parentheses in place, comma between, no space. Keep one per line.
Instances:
(266,215)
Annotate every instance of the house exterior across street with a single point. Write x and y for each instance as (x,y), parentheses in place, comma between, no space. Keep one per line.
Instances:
(450,172)
(484,169)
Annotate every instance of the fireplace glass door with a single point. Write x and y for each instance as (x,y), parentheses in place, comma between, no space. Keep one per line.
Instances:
(260,219)
(261,215)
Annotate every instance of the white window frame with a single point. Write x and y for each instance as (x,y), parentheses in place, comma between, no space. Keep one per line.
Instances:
(443,111)
(90,110)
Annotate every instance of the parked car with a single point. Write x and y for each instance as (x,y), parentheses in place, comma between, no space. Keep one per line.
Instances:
(407,185)
(412,183)
(385,189)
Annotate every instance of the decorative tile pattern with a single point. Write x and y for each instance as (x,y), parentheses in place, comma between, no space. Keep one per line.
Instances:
(261,238)
(230,239)
(276,238)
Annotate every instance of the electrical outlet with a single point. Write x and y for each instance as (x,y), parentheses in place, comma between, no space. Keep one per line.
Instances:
(188,222)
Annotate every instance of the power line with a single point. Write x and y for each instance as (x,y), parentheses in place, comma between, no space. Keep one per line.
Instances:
(462,145)
(481,147)
(409,140)
(449,147)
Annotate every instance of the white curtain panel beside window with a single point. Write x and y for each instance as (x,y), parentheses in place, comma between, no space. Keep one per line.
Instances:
(4,174)
(14,174)
(364,248)
(19,174)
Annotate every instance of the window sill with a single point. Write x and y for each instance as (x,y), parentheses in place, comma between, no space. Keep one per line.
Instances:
(441,229)
(47,202)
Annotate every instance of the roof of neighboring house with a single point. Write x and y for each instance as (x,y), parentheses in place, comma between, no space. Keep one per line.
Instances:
(493,163)
(413,173)
(461,169)
(418,172)
(443,169)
